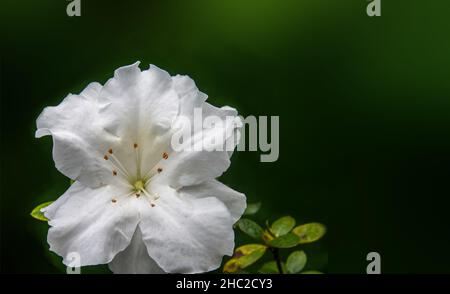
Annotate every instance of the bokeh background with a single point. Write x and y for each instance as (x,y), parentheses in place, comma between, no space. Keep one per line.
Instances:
(364,106)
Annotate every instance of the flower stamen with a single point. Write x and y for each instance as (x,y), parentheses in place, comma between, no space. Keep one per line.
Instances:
(115,162)
(138,160)
(149,175)
(114,200)
(151,197)
(137,183)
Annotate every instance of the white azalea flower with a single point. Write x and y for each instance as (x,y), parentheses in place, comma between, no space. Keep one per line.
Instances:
(137,204)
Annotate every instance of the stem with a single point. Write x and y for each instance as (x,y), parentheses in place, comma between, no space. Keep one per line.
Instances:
(276,256)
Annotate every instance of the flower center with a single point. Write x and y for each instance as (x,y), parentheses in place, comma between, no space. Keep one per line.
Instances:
(138,186)
(136,182)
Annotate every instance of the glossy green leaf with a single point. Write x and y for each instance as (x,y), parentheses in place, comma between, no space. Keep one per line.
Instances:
(286,241)
(244,256)
(309,232)
(282,226)
(249,254)
(311,273)
(271,268)
(296,262)
(252,208)
(36,212)
(250,228)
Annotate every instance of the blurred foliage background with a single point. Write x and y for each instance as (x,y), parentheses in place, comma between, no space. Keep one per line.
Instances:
(364,108)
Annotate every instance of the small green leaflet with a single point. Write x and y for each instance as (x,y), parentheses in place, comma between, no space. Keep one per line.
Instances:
(286,241)
(282,226)
(296,262)
(250,228)
(309,232)
(252,208)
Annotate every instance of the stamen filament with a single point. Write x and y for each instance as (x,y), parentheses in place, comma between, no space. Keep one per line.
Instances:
(115,199)
(138,160)
(150,176)
(124,182)
(152,197)
(119,166)
(151,173)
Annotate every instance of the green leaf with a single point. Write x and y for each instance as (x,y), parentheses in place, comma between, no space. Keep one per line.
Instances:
(244,256)
(250,228)
(311,273)
(249,254)
(271,268)
(286,241)
(72,181)
(36,212)
(296,262)
(282,226)
(252,208)
(309,232)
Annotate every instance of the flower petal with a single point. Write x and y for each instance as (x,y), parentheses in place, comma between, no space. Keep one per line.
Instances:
(145,105)
(79,137)
(233,200)
(95,223)
(190,96)
(135,259)
(192,166)
(184,234)
(142,101)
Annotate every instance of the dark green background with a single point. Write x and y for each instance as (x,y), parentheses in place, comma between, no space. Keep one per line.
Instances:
(364,106)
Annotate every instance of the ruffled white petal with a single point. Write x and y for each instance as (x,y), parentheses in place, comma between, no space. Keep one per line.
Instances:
(141,101)
(145,105)
(184,234)
(87,222)
(79,137)
(191,167)
(190,96)
(135,259)
(233,200)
